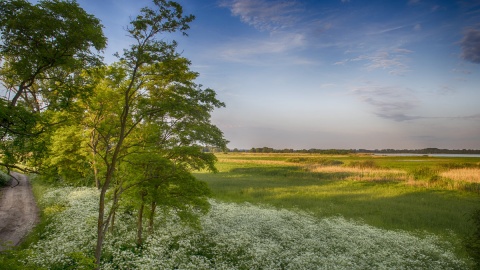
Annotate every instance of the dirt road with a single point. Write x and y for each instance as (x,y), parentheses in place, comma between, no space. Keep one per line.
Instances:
(18,212)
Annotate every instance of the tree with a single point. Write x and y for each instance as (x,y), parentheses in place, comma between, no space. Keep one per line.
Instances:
(68,156)
(43,50)
(148,102)
(158,181)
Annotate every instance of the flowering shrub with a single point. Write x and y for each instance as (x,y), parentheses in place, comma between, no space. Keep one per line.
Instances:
(234,236)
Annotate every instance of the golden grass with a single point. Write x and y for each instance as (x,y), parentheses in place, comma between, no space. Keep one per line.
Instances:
(471,175)
(361,174)
(257,161)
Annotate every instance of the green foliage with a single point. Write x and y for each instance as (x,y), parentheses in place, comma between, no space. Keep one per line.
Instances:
(4,179)
(68,154)
(315,160)
(137,128)
(458,165)
(12,260)
(472,241)
(44,50)
(40,38)
(363,164)
(426,173)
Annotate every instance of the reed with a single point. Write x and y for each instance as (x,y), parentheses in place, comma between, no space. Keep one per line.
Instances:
(470,175)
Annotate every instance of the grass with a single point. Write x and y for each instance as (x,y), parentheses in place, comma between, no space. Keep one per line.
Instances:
(389,208)
(417,194)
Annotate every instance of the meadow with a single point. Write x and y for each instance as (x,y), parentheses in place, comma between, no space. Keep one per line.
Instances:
(279,211)
(418,194)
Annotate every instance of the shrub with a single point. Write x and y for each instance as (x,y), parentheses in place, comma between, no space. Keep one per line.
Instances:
(472,242)
(364,164)
(426,173)
(4,179)
(316,161)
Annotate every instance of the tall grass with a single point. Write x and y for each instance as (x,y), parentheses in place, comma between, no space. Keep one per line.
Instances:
(361,173)
(471,175)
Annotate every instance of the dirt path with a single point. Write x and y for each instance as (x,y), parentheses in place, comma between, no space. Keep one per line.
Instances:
(18,212)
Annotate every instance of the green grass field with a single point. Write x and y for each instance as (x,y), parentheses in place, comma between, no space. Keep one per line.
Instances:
(363,212)
(395,193)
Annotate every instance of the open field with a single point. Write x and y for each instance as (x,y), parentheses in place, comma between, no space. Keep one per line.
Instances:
(417,194)
(279,211)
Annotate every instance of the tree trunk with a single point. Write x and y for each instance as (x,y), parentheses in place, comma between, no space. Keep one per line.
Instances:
(94,143)
(140,220)
(112,223)
(100,224)
(152,215)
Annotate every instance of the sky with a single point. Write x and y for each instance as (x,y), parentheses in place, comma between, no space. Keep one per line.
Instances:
(343,74)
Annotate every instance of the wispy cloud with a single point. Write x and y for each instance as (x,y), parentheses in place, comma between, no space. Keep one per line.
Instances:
(287,23)
(413,2)
(398,103)
(446,90)
(393,103)
(265,15)
(471,46)
(248,50)
(393,60)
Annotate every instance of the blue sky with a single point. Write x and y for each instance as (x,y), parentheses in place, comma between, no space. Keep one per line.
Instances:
(331,74)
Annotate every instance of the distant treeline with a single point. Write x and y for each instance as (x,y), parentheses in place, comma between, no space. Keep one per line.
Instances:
(353,151)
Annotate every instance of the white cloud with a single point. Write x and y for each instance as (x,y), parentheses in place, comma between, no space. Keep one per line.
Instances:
(393,60)
(265,15)
(247,50)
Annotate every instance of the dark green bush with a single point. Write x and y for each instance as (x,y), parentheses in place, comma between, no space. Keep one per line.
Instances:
(453,165)
(319,161)
(472,242)
(4,179)
(364,164)
(426,173)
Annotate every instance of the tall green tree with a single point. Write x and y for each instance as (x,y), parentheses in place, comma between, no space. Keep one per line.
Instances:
(146,103)
(44,47)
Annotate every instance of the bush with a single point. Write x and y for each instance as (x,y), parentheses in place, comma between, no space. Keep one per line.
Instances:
(453,165)
(364,164)
(427,173)
(4,179)
(318,161)
(472,242)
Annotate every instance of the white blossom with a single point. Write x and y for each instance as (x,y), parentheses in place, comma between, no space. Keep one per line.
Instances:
(233,236)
